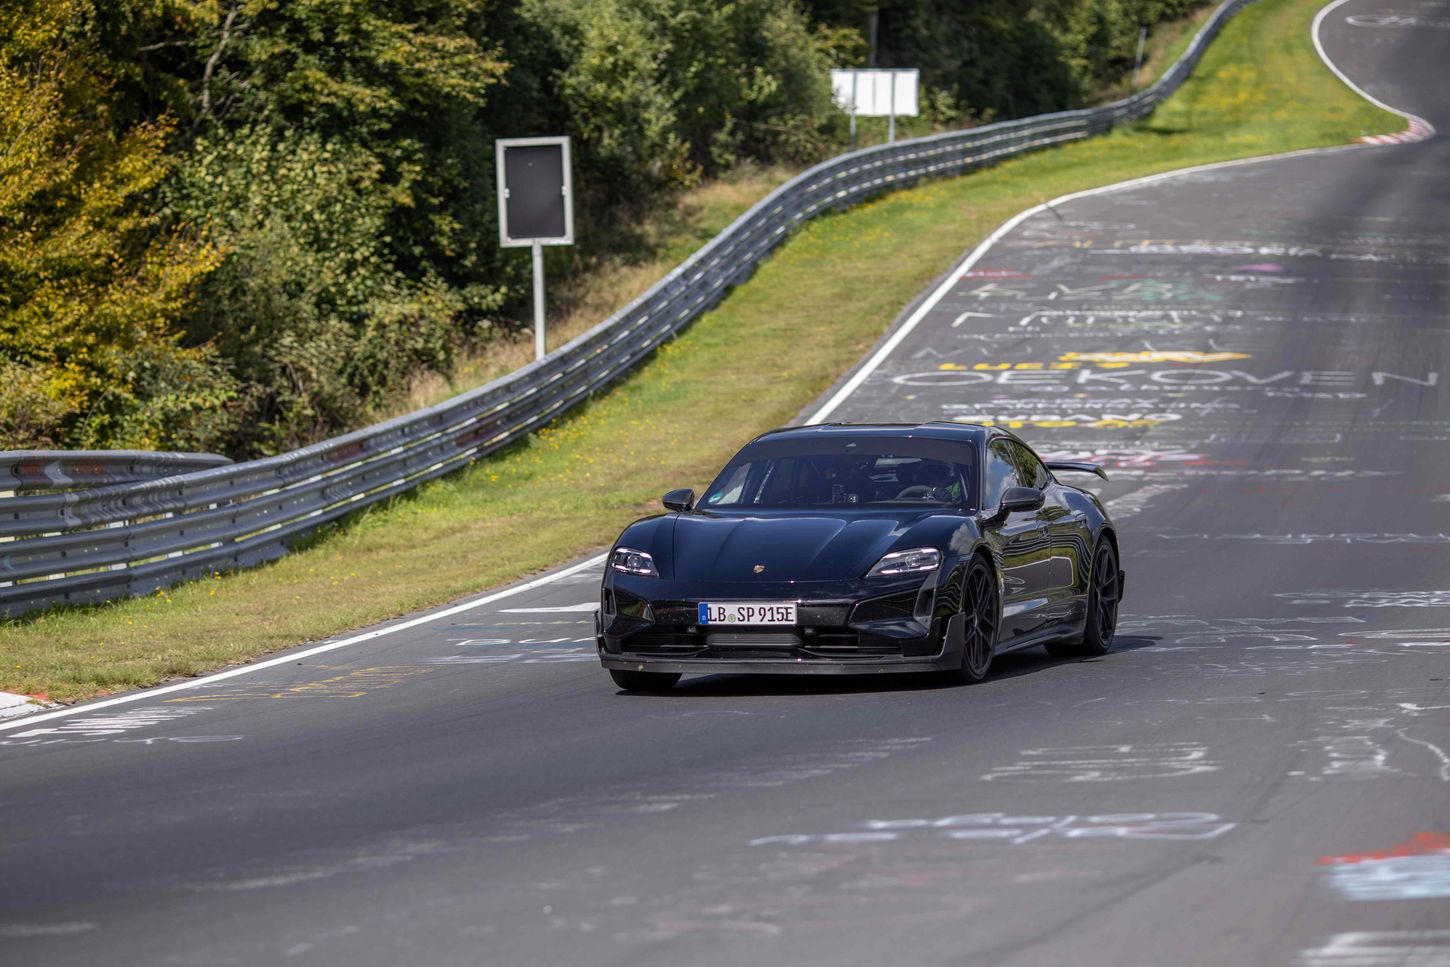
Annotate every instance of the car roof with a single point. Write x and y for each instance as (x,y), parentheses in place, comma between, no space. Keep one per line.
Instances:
(933,430)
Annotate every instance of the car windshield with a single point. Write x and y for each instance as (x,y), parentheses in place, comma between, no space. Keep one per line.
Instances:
(863,473)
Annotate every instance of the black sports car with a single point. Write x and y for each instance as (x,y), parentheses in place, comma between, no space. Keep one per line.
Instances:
(856,549)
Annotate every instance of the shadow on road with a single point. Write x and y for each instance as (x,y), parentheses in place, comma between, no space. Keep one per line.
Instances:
(1014,665)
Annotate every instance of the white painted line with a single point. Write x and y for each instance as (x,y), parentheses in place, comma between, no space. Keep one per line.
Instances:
(29,720)
(1421,129)
(877,358)
(585,606)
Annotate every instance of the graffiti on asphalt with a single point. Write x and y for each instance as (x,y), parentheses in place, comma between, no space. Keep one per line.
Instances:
(114,727)
(1385,948)
(1015,830)
(1395,20)
(1300,539)
(1370,599)
(1416,870)
(1109,763)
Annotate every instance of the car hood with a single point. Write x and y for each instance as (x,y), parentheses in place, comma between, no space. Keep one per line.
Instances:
(816,547)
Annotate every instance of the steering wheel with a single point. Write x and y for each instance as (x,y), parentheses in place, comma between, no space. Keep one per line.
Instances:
(916,490)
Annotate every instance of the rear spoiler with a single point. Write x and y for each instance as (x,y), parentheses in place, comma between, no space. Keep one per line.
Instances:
(1078,468)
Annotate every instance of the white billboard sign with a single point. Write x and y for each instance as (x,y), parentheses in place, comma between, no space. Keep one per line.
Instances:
(870,93)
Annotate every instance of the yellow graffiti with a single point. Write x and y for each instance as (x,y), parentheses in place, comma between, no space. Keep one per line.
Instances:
(1000,367)
(1106,360)
(354,684)
(1108,424)
(1156,356)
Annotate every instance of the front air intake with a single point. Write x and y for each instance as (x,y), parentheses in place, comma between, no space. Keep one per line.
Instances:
(777,640)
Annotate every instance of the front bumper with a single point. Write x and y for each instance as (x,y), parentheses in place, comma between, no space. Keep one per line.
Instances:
(846,628)
(751,666)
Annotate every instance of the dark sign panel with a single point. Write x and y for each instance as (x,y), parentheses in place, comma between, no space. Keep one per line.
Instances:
(534,192)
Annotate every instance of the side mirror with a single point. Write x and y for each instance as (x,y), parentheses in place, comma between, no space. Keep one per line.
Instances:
(1020,499)
(683,500)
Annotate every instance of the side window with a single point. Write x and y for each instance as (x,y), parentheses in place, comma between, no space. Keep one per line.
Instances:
(1032,469)
(1001,473)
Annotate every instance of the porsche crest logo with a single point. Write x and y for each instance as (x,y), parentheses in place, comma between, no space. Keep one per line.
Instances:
(758,568)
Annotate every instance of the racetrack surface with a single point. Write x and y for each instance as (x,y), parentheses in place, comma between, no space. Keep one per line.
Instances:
(1258,774)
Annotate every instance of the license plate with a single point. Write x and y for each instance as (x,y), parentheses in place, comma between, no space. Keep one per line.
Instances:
(747,613)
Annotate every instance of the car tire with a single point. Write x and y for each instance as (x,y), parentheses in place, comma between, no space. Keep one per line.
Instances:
(632,681)
(1105,592)
(982,606)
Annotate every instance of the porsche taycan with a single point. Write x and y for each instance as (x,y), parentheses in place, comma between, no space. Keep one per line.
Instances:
(862,549)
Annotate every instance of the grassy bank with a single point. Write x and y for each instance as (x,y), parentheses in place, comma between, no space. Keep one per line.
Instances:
(753,363)
(665,240)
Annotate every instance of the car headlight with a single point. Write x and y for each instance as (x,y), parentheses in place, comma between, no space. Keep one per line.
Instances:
(915,561)
(630,561)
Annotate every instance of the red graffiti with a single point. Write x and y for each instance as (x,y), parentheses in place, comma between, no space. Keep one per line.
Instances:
(1421,844)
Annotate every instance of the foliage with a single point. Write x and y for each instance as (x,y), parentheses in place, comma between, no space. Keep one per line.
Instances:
(1009,57)
(661,92)
(90,290)
(309,305)
(335,160)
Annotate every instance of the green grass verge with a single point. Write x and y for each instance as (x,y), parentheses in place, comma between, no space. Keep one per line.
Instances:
(777,342)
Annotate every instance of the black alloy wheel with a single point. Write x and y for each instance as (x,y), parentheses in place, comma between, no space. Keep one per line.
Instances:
(632,681)
(984,618)
(1105,592)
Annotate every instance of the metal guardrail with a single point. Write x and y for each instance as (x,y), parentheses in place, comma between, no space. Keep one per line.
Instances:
(131,537)
(26,471)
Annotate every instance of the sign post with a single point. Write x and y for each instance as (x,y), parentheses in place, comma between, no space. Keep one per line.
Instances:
(538,299)
(1138,61)
(535,206)
(876,93)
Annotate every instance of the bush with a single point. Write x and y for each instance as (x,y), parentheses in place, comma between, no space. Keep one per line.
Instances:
(308,305)
(91,288)
(662,92)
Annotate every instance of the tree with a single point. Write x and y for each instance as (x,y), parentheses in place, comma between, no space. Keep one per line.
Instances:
(90,286)
(338,156)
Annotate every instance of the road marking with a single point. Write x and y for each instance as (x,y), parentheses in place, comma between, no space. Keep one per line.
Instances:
(353,684)
(138,718)
(1419,129)
(954,275)
(1109,763)
(29,720)
(586,606)
(1395,948)
(1016,830)
(957,271)
(1439,753)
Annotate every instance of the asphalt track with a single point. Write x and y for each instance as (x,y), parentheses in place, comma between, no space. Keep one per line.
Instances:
(1259,773)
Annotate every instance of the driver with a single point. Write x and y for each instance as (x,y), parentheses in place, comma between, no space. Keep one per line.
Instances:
(928,479)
